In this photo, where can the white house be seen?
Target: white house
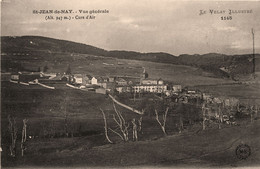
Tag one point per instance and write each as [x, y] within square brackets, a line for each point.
[15, 77]
[78, 78]
[150, 88]
[94, 81]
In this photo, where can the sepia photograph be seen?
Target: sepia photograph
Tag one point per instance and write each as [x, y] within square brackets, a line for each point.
[130, 84]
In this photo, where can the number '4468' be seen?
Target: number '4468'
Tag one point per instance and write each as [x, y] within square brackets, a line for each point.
[226, 17]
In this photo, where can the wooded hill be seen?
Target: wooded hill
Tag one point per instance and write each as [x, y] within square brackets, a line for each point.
[212, 62]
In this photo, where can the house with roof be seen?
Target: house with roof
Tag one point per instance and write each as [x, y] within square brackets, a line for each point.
[121, 82]
[151, 88]
[94, 81]
[149, 81]
[100, 80]
[176, 88]
[49, 75]
[15, 76]
[63, 78]
[78, 78]
[123, 89]
[207, 97]
[111, 79]
[87, 79]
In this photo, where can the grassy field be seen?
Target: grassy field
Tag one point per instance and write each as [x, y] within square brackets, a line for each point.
[50, 147]
[86, 144]
[210, 148]
[45, 110]
[246, 93]
[105, 66]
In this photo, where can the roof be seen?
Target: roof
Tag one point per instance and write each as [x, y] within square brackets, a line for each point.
[58, 77]
[149, 85]
[78, 75]
[100, 79]
[120, 80]
[152, 79]
[89, 77]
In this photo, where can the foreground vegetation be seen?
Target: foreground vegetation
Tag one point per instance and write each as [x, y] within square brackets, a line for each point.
[65, 128]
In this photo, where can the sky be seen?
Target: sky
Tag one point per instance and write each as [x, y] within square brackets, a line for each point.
[175, 27]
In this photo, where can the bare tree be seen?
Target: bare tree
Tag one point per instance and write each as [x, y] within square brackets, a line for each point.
[13, 132]
[253, 112]
[203, 108]
[140, 124]
[164, 117]
[135, 137]
[122, 124]
[24, 135]
[66, 124]
[105, 126]
[220, 116]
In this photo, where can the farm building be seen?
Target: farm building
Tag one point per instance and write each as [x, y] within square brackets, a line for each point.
[78, 78]
[107, 85]
[101, 80]
[15, 76]
[231, 102]
[121, 82]
[149, 81]
[111, 79]
[207, 97]
[50, 75]
[176, 88]
[123, 89]
[94, 81]
[87, 79]
[64, 78]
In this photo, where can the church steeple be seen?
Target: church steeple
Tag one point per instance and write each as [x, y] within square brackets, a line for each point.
[145, 74]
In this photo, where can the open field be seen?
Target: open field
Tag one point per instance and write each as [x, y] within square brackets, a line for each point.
[45, 110]
[246, 93]
[105, 66]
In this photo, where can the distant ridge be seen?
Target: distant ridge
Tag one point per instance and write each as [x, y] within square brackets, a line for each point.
[212, 62]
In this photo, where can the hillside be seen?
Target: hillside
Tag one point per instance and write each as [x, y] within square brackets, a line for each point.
[49, 147]
[15, 48]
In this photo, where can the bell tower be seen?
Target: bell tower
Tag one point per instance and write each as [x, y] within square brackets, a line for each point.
[144, 74]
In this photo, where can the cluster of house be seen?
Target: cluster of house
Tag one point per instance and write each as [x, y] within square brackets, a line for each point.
[103, 85]
[189, 93]
[124, 84]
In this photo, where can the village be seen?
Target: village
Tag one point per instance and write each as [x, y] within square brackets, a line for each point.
[218, 109]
